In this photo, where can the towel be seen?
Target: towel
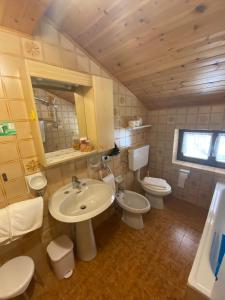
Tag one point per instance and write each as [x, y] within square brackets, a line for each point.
[155, 182]
[109, 179]
[4, 226]
[42, 129]
[25, 216]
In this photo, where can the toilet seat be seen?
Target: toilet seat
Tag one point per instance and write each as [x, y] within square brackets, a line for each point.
[156, 190]
[15, 276]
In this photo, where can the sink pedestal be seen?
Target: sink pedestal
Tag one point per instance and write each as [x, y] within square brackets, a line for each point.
[85, 240]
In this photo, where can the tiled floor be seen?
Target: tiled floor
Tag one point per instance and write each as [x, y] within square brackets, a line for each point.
[150, 264]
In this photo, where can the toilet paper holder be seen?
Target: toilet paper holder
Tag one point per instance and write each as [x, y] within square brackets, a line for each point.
[184, 171]
[182, 177]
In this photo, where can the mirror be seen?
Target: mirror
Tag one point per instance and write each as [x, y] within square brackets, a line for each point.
[57, 113]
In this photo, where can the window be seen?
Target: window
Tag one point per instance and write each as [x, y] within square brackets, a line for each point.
[206, 147]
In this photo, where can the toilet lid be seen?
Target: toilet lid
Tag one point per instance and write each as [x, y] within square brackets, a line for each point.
[15, 275]
[155, 183]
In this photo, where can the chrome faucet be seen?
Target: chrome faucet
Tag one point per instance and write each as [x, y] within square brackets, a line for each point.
[76, 183]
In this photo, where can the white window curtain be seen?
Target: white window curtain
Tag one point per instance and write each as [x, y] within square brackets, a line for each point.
[197, 145]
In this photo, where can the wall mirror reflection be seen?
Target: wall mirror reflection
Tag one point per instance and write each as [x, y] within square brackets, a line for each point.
[57, 113]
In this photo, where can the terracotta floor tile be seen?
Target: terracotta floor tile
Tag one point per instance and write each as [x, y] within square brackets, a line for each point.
[150, 264]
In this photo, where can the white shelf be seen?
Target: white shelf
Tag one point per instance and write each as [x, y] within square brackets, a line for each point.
[61, 156]
[139, 127]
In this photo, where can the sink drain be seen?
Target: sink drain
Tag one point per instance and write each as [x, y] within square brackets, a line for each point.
[83, 207]
[66, 192]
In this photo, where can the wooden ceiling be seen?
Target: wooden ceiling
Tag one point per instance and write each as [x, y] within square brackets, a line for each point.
[22, 15]
[168, 52]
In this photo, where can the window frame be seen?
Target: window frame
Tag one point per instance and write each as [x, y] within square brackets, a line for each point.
[211, 161]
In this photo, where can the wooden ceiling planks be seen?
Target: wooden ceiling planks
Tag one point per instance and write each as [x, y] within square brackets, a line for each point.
[22, 15]
[166, 52]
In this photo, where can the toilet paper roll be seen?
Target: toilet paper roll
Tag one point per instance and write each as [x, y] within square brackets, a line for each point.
[181, 179]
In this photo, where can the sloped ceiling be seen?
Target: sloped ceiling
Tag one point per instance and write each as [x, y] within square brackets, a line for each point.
[168, 52]
[22, 15]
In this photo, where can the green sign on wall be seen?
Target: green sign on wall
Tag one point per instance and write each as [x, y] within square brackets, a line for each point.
[7, 128]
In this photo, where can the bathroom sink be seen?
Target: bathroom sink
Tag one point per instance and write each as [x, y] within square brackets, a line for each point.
[79, 206]
[72, 205]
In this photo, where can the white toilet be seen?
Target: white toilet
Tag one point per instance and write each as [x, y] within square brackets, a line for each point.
[155, 188]
[15, 277]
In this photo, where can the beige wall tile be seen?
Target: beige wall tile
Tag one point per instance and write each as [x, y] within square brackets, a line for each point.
[94, 68]
[66, 43]
[218, 108]
[12, 170]
[48, 33]
[2, 198]
[204, 109]
[32, 49]
[27, 148]
[8, 152]
[192, 118]
[23, 130]
[217, 118]
[68, 170]
[15, 188]
[68, 59]
[83, 63]
[13, 88]
[31, 165]
[81, 168]
[54, 177]
[203, 119]
[2, 94]
[52, 55]
[9, 43]
[4, 115]
[6, 139]
[18, 110]
[10, 65]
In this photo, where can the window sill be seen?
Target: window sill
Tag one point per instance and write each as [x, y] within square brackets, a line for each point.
[198, 166]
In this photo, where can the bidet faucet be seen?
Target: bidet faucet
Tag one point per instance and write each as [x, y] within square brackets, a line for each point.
[76, 183]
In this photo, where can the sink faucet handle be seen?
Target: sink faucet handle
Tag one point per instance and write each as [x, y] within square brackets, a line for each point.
[75, 178]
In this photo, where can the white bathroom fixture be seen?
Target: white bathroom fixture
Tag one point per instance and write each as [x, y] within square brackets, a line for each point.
[37, 181]
[15, 277]
[133, 205]
[60, 252]
[79, 206]
[182, 177]
[155, 188]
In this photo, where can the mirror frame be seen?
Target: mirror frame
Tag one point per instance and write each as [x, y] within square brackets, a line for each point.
[38, 69]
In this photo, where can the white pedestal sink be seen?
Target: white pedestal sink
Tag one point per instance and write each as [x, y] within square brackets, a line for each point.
[80, 206]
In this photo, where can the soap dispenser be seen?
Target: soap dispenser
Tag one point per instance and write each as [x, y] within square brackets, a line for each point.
[37, 183]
